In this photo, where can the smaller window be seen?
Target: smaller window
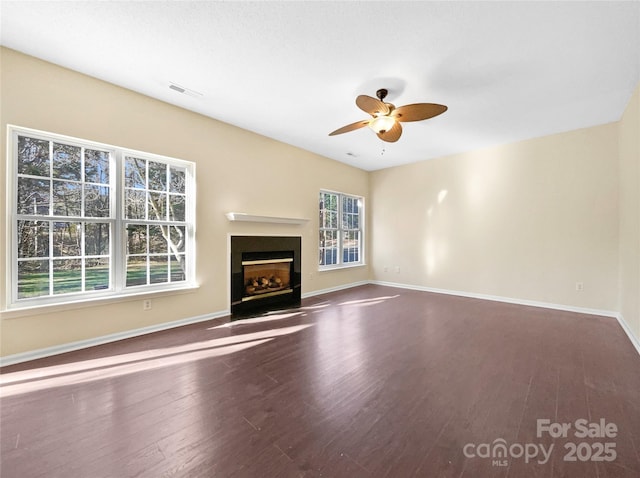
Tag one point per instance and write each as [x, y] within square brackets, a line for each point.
[341, 230]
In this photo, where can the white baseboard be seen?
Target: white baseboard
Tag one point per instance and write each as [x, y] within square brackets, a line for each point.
[105, 339]
[335, 289]
[496, 298]
[59, 349]
[634, 340]
[569, 308]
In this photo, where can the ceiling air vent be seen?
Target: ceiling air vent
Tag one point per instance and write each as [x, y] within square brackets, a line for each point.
[184, 91]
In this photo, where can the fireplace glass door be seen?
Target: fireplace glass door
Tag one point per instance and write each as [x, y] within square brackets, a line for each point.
[266, 278]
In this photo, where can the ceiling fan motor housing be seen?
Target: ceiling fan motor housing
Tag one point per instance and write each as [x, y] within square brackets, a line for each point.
[382, 94]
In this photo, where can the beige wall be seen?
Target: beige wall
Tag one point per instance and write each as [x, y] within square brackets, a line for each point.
[524, 221]
[236, 171]
[629, 145]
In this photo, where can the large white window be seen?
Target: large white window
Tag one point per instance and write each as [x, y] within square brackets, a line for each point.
[89, 220]
[341, 230]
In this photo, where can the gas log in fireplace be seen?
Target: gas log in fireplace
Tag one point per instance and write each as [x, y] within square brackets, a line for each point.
[265, 274]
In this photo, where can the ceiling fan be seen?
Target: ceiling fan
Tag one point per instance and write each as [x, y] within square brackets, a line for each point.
[386, 118]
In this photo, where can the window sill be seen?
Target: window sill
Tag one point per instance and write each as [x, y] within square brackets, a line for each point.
[340, 266]
[17, 312]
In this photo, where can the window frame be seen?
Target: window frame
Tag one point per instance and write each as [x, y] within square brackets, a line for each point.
[117, 220]
[341, 230]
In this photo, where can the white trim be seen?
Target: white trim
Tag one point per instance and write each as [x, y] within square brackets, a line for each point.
[496, 298]
[337, 267]
[634, 340]
[58, 349]
[546, 305]
[244, 217]
[105, 339]
[533, 303]
[335, 289]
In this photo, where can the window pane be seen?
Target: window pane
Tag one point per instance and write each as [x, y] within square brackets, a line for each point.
[136, 239]
[332, 219]
[33, 196]
[157, 239]
[176, 207]
[178, 268]
[177, 237]
[33, 156]
[33, 239]
[96, 166]
[328, 210]
[351, 247]
[136, 271]
[67, 237]
[350, 213]
[328, 219]
[67, 276]
[66, 162]
[66, 199]
[328, 201]
[96, 237]
[97, 274]
[33, 278]
[135, 204]
[157, 176]
[96, 201]
[158, 269]
[157, 206]
[177, 178]
[328, 247]
[135, 175]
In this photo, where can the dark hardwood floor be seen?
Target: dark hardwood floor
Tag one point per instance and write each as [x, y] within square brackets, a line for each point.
[368, 382]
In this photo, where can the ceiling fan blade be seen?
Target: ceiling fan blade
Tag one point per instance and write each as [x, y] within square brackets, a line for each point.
[418, 111]
[370, 105]
[350, 127]
[392, 135]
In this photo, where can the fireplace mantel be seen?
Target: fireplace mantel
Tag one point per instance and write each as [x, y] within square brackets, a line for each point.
[243, 217]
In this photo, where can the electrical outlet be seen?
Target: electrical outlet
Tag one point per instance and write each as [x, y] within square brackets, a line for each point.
[386, 269]
[579, 286]
[397, 269]
[146, 304]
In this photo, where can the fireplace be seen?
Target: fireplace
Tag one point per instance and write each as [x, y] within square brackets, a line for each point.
[265, 274]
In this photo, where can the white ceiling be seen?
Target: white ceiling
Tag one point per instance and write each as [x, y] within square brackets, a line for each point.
[291, 70]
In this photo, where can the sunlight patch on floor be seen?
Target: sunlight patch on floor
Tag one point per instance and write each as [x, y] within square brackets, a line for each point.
[371, 301]
[108, 367]
[258, 320]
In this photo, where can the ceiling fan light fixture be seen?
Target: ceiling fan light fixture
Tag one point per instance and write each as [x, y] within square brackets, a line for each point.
[386, 120]
[380, 124]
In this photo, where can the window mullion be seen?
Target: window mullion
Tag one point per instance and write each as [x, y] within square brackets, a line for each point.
[118, 237]
[83, 224]
[340, 225]
[50, 257]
